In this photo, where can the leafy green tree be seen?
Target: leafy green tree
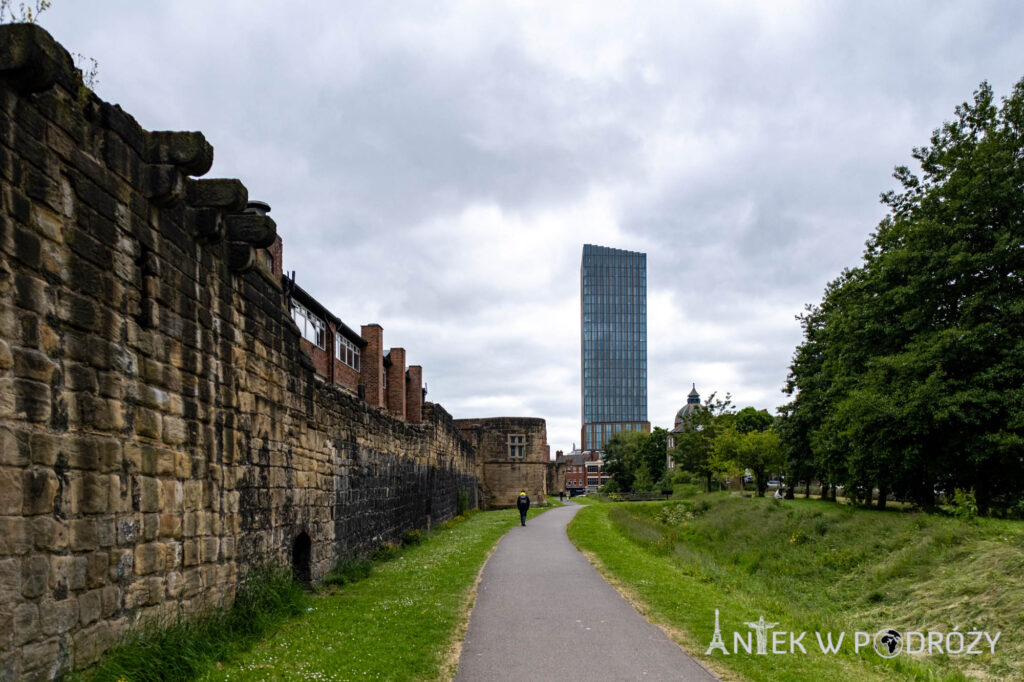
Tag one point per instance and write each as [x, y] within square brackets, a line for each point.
[911, 373]
[622, 457]
[752, 443]
[694, 449]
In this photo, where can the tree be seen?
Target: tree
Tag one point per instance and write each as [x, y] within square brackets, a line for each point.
[752, 443]
[622, 457]
[694, 450]
[911, 373]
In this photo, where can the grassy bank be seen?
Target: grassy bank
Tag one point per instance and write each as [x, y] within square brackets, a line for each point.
[813, 567]
[399, 616]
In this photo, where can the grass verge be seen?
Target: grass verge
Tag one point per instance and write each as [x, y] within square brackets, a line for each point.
[402, 622]
[815, 567]
[399, 615]
[183, 649]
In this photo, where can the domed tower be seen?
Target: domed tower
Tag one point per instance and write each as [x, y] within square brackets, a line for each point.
[682, 416]
[691, 406]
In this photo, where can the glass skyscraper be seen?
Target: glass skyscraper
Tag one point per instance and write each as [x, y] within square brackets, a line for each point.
[613, 302]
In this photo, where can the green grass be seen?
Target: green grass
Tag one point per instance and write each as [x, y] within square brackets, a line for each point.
[398, 615]
[183, 649]
[402, 622]
[816, 566]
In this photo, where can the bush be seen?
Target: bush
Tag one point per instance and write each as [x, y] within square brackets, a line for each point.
[965, 506]
[682, 476]
[462, 504]
[386, 551]
[412, 537]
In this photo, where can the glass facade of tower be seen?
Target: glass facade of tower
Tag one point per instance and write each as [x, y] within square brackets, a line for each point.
[613, 288]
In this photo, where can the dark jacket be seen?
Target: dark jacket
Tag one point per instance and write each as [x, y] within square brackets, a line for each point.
[523, 503]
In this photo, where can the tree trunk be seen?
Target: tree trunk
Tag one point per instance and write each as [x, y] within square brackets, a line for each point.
[882, 494]
[807, 490]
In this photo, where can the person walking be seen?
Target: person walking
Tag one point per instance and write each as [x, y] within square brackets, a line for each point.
[523, 504]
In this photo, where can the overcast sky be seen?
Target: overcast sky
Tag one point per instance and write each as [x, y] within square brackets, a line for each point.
[437, 167]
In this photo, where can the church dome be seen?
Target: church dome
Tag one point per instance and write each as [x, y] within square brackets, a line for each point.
[686, 411]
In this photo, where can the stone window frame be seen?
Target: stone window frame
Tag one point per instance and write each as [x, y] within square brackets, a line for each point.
[516, 445]
[346, 351]
[311, 327]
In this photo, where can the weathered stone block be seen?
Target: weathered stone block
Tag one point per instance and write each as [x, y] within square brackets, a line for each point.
[147, 422]
[170, 526]
[191, 555]
[93, 497]
[149, 499]
[84, 536]
[39, 657]
[10, 580]
[11, 499]
[49, 534]
[90, 643]
[150, 527]
[122, 564]
[210, 549]
[97, 564]
[90, 605]
[56, 617]
[12, 453]
[111, 597]
[175, 430]
[32, 399]
[31, 364]
[26, 623]
[45, 448]
[39, 487]
[67, 572]
[170, 495]
[149, 558]
[35, 575]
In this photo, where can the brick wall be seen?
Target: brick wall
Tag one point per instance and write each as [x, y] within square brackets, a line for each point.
[161, 430]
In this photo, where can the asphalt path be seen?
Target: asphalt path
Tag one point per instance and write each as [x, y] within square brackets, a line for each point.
[543, 612]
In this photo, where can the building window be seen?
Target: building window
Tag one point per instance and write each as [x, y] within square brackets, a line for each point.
[592, 481]
[591, 468]
[516, 444]
[346, 351]
[310, 326]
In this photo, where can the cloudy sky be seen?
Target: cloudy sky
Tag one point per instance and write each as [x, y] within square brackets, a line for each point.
[436, 167]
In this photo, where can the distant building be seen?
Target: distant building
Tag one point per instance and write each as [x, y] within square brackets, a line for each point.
[613, 302]
[584, 471]
[683, 416]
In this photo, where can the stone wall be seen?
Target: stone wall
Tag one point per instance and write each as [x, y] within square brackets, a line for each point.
[501, 475]
[161, 430]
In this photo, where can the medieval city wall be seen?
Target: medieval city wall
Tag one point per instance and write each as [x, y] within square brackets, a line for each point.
[161, 431]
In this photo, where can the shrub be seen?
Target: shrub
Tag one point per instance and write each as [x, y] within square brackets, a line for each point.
[412, 537]
[965, 506]
[462, 503]
[386, 551]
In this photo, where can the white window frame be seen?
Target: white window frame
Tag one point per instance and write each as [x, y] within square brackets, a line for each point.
[346, 351]
[312, 328]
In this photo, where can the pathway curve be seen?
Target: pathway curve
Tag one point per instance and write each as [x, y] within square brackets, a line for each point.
[544, 613]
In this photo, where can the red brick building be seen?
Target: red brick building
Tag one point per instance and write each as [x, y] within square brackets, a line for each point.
[354, 361]
[584, 471]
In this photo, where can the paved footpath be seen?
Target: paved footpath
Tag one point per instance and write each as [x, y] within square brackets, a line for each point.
[544, 613]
